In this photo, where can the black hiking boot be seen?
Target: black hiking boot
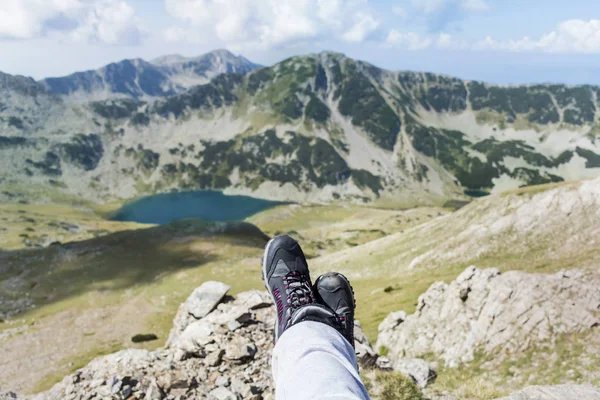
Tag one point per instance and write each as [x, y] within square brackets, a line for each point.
[334, 290]
[286, 276]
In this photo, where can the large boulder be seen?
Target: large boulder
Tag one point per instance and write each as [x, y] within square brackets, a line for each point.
[198, 305]
[493, 312]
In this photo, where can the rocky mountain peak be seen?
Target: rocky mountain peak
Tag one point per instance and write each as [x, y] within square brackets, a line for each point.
[139, 79]
[21, 84]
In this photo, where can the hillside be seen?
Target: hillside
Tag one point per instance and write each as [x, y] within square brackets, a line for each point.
[314, 128]
[391, 256]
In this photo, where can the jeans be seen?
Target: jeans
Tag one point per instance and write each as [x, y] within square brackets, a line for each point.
[312, 360]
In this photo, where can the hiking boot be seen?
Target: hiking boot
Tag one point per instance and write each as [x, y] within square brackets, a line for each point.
[334, 290]
[286, 276]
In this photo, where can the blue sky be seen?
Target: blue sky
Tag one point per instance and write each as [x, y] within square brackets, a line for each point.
[507, 41]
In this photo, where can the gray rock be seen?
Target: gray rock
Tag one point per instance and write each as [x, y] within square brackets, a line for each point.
[154, 392]
[255, 299]
[383, 363]
[418, 370]
[195, 337]
[499, 313]
[241, 388]
[392, 321]
[222, 393]
[365, 354]
[240, 349]
[205, 298]
[558, 392]
[214, 358]
[222, 381]
[198, 305]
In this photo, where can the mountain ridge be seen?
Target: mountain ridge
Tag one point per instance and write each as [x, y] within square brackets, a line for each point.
[140, 79]
[321, 127]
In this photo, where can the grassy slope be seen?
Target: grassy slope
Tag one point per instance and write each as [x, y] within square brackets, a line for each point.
[538, 229]
[137, 278]
[47, 223]
[150, 270]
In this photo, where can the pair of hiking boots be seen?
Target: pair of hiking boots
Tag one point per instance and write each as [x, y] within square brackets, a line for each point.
[287, 278]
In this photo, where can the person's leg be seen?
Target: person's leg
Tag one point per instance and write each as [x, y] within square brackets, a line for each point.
[313, 361]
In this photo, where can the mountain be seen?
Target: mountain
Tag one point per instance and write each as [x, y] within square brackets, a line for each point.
[139, 79]
[316, 128]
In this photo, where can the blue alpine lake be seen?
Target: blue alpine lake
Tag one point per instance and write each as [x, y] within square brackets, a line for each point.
[206, 205]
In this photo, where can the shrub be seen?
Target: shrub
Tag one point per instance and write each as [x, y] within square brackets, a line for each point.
[395, 386]
[144, 337]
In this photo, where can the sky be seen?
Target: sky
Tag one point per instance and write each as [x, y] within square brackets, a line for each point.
[499, 41]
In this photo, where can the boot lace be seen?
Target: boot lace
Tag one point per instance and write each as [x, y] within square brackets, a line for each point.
[298, 291]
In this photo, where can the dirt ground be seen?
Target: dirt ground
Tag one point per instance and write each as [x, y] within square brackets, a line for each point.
[44, 347]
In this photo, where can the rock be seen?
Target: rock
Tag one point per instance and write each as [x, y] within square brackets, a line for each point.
[205, 298]
[240, 349]
[237, 313]
[198, 305]
[154, 392]
[195, 337]
[214, 358]
[558, 392]
[392, 321]
[255, 299]
[233, 325]
[241, 388]
[222, 381]
[222, 393]
[383, 363]
[493, 312]
[418, 370]
[126, 391]
[464, 293]
[365, 354]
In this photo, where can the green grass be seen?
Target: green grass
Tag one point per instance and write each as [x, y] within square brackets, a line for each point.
[567, 359]
[384, 385]
[47, 220]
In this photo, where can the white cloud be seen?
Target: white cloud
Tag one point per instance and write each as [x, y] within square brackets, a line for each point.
[572, 36]
[25, 19]
[364, 26]
[111, 22]
[105, 21]
[409, 40]
[271, 23]
[434, 6]
[190, 10]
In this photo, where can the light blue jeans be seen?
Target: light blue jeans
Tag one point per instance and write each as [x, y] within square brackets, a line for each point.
[313, 361]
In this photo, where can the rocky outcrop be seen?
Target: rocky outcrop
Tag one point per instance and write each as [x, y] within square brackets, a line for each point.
[220, 348]
[558, 392]
[198, 305]
[484, 310]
